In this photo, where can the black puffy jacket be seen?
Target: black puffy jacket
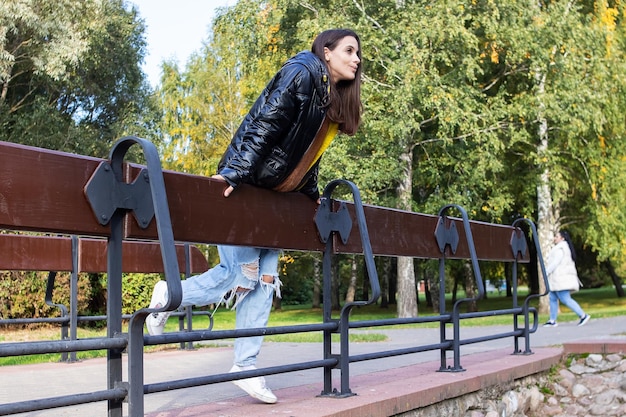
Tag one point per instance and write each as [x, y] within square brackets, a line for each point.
[280, 126]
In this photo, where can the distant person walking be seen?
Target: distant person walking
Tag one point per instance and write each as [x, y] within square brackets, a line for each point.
[563, 279]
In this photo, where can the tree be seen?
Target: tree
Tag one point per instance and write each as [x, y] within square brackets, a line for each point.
[76, 66]
[204, 104]
[424, 114]
[510, 109]
[70, 80]
[501, 107]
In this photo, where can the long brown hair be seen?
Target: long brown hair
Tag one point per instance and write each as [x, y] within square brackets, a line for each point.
[345, 96]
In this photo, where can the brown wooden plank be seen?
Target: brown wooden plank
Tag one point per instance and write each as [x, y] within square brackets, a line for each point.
[250, 216]
[54, 253]
[257, 217]
[139, 257]
[42, 190]
[35, 253]
[400, 233]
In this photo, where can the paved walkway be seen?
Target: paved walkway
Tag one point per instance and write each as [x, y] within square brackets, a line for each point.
[20, 383]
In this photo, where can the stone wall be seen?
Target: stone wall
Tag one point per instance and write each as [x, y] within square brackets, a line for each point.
[582, 386]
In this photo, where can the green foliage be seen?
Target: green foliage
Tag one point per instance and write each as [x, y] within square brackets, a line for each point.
[462, 90]
[23, 294]
[456, 85]
[70, 75]
[137, 291]
[204, 103]
[295, 272]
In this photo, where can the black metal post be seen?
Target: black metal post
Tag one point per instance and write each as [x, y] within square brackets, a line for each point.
[74, 296]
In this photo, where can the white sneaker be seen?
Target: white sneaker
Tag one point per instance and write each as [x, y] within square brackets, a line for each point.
[155, 322]
[255, 387]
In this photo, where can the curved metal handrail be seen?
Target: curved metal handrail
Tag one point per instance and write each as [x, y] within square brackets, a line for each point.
[344, 231]
[526, 306]
[134, 197]
[479, 283]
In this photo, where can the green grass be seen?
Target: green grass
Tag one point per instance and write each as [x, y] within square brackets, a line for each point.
[600, 303]
[45, 333]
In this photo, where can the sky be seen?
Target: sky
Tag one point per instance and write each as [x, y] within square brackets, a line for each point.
[174, 30]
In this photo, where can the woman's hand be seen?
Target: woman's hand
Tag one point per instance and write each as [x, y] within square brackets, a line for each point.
[228, 189]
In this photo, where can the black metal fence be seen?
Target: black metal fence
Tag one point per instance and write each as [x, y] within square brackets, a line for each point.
[69, 317]
[329, 224]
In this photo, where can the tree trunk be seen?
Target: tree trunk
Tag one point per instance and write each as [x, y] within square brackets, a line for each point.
[365, 284]
[470, 286]
[277, 304]
[455, 289]
[547, 215]
[336, 279]
[508, 272]
[407, 295]
[98, 300]
[352, 283]
[393, 280]
[317, 281]
[384, 282]
[617, 280]
[532, 267]
[431, 281]
[427, 295]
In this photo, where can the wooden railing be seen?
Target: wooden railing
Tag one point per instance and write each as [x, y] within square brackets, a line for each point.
[54, 192]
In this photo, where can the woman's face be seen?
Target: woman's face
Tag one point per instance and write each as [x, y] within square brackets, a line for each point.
[343, 61]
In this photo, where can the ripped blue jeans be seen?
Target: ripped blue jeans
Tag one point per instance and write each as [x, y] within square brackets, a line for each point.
[238, 279]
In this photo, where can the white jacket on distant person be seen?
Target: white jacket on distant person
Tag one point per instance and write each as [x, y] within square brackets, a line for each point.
[561, 269]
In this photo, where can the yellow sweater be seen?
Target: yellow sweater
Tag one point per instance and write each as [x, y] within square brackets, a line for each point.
[322, 141]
